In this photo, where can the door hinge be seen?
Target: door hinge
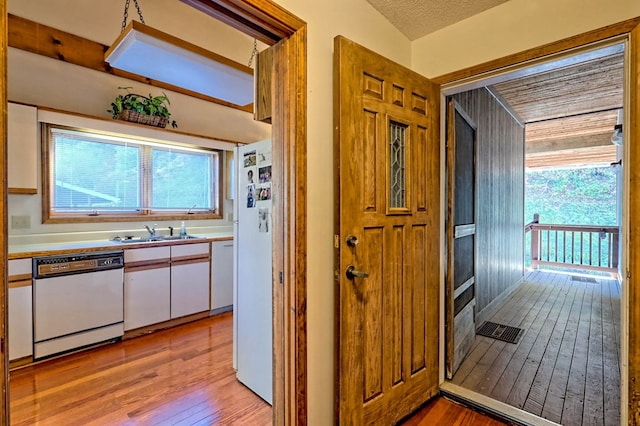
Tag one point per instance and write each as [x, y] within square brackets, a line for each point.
[336, 241]
[281, 277]
[1, 344]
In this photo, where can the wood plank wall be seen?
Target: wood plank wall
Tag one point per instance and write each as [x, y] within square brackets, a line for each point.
[500, 196]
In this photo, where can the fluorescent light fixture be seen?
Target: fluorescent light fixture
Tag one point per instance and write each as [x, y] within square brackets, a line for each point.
[148, 52]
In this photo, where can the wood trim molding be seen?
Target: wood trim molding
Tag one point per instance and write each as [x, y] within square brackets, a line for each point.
[186, 260]
[21, 280]
[270, 23]
[20, 362]
[57, 116]
[633, 264]
[579, 40]
[43, 40]
[4, 357]
[261, 19]
[290, 241]
[18, 284]
[23, 191]
[145, 265]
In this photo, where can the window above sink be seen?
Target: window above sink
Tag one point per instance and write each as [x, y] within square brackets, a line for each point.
[100, 177]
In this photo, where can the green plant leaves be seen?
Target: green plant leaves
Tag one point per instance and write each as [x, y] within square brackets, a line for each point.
[155, 106]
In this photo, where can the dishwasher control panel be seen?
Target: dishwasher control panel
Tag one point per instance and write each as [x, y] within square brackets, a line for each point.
[49, 266]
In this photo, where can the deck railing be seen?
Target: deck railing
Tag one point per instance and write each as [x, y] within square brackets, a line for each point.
[594, 248]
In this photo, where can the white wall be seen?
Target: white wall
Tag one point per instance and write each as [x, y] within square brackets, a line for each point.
[358, 21]
[513, 27]
[42, 81]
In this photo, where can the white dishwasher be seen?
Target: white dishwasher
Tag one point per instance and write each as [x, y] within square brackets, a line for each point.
[78, 301]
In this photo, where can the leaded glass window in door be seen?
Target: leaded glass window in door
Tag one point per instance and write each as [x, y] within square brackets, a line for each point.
[397, 165]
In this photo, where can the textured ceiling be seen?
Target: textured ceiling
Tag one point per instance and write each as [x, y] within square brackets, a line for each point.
[416, 18]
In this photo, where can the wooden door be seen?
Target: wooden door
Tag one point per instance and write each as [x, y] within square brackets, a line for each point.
[461, 230]
[387, 236]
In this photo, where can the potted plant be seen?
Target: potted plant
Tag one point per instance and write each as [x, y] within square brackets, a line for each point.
[150, 110]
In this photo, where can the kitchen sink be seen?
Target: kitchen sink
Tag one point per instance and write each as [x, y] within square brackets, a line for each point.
[154, 239]
[178, 237]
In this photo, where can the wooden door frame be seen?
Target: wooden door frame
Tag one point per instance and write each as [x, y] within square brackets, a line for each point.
[270, 23]
[4, 348]
[627, 31]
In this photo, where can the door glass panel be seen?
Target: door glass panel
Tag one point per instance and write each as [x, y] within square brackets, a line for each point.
[397, 164]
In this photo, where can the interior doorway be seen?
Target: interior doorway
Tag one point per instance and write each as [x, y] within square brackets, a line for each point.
[269, 23]
[562, 138]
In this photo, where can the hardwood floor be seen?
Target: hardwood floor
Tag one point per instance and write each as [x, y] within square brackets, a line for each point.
[441, 411]
[180, 376]
[566, 366]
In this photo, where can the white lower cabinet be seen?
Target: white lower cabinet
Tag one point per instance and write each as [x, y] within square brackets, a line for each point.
[146, 295]
[189, 279]
[20, 305]
[221, 275]
[189, 289]
[163, 283]
[147, 286]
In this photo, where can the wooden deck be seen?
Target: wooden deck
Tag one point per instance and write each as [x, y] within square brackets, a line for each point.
[566, 366]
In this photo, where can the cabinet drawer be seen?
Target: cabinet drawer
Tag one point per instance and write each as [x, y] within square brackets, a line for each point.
[183, 250]
[150, 253]
[20, 267]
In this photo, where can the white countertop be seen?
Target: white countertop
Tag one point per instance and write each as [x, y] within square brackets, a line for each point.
[28, 250]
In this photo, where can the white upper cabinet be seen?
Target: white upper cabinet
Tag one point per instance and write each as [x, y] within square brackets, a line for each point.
[22, 149]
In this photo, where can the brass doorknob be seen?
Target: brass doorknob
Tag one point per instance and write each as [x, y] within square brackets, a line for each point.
[353, 273]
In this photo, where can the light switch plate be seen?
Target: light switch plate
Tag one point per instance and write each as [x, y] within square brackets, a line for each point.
[21, 222]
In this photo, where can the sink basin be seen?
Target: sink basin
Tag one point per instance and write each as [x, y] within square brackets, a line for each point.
[178, 237]
[155, 239]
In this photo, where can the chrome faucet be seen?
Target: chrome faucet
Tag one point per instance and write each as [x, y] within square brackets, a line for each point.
[152, 231]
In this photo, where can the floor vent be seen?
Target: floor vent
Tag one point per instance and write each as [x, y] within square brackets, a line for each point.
[583, 279]
[502, 332]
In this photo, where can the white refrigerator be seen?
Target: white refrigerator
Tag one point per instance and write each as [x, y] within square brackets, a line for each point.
[253, 269]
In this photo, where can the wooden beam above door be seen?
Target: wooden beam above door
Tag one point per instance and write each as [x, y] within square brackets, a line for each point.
[251, 18]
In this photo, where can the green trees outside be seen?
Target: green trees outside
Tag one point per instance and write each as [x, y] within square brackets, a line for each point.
[181, 180]
[571, 196]
[91, 173]
[584, 196]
